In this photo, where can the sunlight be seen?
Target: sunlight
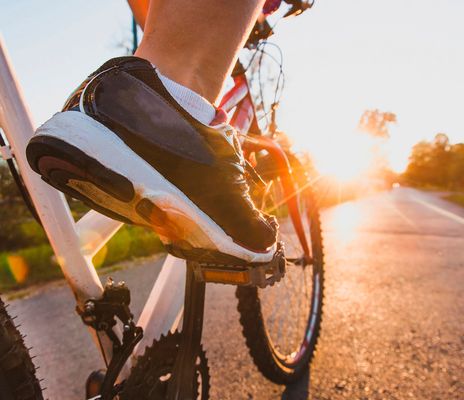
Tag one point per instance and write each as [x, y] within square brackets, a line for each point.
[347, 159]
[398, 152]
[345, 221]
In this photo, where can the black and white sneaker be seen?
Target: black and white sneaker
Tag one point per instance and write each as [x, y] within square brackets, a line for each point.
[126, 148]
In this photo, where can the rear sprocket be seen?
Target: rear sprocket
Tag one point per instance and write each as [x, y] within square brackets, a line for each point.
[150, 377]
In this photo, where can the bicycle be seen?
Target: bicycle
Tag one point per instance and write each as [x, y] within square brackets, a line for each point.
[153, 358]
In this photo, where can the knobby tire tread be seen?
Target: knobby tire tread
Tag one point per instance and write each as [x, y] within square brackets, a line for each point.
[18, 380]
[253, 325]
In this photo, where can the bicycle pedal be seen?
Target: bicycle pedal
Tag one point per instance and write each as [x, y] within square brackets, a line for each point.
[260, 275]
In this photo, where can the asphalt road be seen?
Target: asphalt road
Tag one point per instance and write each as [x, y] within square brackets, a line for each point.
[393, 323]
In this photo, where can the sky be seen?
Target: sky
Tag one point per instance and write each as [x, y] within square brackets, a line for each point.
[340, 59]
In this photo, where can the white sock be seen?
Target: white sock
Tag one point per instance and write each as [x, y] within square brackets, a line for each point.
[197, 106]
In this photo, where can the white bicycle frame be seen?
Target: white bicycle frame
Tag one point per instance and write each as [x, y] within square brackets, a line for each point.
[75, 243]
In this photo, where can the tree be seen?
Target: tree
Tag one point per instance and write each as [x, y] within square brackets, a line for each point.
[375, 123]
[456, 169]
[418, 170]
[12, 210]
[437, 163]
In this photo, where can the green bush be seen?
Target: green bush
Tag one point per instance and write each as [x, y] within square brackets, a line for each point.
[457, 198]
[35, 264]
[32, 233]
[27, 266]
[146, 242]
[6, 277]
[129, 242]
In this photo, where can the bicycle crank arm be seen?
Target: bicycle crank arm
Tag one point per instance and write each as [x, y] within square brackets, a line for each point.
[182, 385]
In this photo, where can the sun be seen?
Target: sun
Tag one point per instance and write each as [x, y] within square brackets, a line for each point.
[343, 169]
[347, 159]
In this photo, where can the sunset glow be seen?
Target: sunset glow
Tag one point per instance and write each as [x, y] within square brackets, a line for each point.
[347, 159]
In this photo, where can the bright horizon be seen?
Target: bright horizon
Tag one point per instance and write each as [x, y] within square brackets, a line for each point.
[403, 57]
[340, 59]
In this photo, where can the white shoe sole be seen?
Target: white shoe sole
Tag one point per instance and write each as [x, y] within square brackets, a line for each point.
[155, 201]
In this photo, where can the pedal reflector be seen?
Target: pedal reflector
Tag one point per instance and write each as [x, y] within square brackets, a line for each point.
[261, 275]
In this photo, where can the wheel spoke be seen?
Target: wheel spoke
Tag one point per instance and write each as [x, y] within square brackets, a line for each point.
[286, 306]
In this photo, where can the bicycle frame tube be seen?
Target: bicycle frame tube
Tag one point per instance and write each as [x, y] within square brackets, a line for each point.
[239, 97]
[244, 121]
[51, 205]
[75, 244]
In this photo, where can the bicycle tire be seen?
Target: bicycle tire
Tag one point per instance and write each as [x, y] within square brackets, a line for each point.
[267, 358]
[18, 380]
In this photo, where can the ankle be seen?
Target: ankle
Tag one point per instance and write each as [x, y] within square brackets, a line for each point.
[187, 70]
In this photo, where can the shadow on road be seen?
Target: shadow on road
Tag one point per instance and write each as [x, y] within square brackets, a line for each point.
[298, 390]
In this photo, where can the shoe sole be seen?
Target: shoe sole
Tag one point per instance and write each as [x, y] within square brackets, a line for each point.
[84, 159]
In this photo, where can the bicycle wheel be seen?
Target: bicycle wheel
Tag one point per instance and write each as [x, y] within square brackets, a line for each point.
[17, 372]
[281, 323]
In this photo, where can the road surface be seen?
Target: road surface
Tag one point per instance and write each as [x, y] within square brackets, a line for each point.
[393, 321]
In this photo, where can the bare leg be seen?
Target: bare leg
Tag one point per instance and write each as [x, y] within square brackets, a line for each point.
[196, 42]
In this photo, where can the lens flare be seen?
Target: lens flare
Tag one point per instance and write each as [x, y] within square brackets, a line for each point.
[18, 267]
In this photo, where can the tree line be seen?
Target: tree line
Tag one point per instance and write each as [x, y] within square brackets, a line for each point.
[436, 163]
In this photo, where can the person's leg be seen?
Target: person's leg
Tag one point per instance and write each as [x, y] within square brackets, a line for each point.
[196, 42]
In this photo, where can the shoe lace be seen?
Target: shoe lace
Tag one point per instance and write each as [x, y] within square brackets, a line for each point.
[246, 171]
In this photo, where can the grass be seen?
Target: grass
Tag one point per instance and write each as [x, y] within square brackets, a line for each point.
[17, 294]
[26, 266]
[35, 264]
[456, 198]
[430, 188]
